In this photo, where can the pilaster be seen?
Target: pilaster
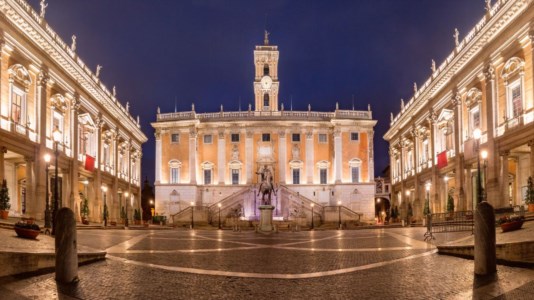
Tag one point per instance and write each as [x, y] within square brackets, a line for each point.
[221, 156]
[157, 136]
[192, 156]
[337, 156]
[249, 151]
[309, 157]
[282, 158]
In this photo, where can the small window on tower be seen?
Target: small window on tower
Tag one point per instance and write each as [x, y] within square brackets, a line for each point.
[266, 100]
[266, 137]
[266, 70]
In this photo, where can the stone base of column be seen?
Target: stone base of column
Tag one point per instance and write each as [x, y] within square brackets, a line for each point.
[266, 219]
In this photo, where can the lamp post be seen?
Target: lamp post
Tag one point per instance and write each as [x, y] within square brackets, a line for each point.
[56, 136]
[105, 190]
[427, 188]
[339, 214]
[219, 205]
[484, 155]
[192, 213]
[477, 134]
[312, 205]
[126, 194]
[47, 206]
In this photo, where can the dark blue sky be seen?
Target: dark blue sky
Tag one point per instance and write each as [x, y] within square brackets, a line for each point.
[201, 51]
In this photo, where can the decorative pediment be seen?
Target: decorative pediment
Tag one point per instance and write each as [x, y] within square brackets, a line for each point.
[445, 115]
[58, 102]
[174, 163]
[355, 162]
[235, 164]
[20, 73]
[296, 164]
[473, 97]
[512, 67]
[85, 119]
[323, 164]
[207, 165]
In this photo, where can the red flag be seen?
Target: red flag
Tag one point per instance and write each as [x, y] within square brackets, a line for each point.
[89, 163]
[442, 159]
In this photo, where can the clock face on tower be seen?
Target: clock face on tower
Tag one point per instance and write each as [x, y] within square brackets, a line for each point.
[266, 82]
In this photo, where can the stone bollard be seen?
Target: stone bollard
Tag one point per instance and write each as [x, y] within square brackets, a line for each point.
[66, 247]
[485, 252]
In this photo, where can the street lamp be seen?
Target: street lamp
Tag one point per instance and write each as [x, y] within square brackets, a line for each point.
[47, 207]
[484, 155]
[219, 205]
[312, 205]
[192, 213]
[126, 194]
[427, 188]
[339, 214]
[477, 134]
[104, 190]
[56, 136]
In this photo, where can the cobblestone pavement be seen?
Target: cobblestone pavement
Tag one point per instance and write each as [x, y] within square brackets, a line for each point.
[359, 264]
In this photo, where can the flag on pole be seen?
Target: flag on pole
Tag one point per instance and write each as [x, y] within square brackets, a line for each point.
[442, 159]
[89, 163]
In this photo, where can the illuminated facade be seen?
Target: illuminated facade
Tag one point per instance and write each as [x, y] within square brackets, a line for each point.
[486, 83]
[316, 157]
[45, 86]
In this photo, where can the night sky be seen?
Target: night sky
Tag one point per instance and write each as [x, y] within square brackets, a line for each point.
[162, 52]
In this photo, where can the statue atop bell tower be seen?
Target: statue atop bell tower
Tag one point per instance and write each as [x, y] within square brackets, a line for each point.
[266, 84]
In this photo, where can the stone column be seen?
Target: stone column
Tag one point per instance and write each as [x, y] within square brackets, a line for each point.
[371, 156]
[192, 156]
[115, 189]
[282, 156]
[97, 184]
[31, 207]
[531, 145]
[337, 156]
[309, 157]
[75, 106]
[221, 156]
[249, 151]
[505, 197]
[157, 135]
[492, 176]
[3, 150]
[434, 207]
[459, 155]
[41, 123]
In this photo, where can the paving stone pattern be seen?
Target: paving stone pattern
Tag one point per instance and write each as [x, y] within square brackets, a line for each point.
[357, 269]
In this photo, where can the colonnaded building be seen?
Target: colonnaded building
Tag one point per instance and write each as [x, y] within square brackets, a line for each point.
[207, 159]
[45, 87]
[485, 85]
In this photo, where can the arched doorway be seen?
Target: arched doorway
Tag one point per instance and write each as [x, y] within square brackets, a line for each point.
[382, 210]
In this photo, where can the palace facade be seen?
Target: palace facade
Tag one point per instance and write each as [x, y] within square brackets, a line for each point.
[319, 158]
[46, 88]
[485, 85]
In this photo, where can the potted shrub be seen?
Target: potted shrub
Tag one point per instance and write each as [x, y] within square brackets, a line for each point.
[410, 213]
[84, 210]
[510, 223]
[105, 213]
[137, 217]
[450, 206]
[123, 215]
[27, 230]
[4, 200]
[529, 197]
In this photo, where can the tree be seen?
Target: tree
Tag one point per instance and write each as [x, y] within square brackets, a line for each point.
[450, 203]
[84, 207]
[426, 209]
[4, 197]
[529, 196]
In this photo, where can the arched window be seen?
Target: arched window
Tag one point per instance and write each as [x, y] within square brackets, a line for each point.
[266, 69]
[513, 73]
[266, 99]
[19, 83]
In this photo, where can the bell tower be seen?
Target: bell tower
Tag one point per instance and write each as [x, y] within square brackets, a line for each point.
[266, 84]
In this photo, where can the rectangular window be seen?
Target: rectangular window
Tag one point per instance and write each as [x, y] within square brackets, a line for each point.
[174, 175]
[235, 137]
[354, 136]
[474, 119]
[235, 176]
[322, 175]
[296, 176]
[295, 137]
[323, 138]
[517, 105]
[208, 138]
[175, 138]
[266, 137]
[355, 172]
[16, 108]
[106, 155]
[207, 176]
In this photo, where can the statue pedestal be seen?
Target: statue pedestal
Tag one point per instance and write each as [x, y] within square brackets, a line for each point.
[266, 218]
